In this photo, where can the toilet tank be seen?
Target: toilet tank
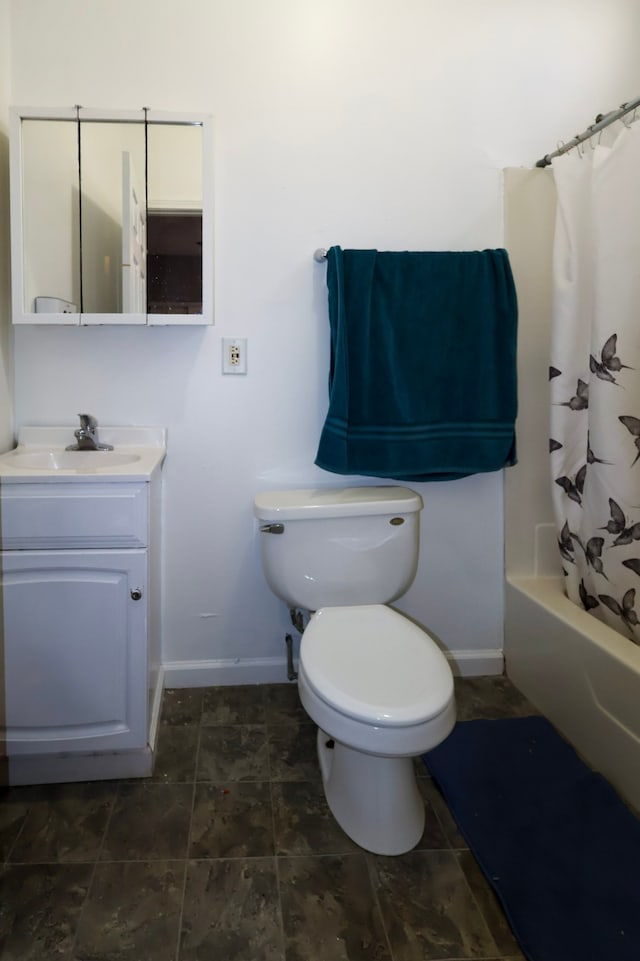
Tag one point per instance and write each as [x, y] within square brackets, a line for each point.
[332, 547]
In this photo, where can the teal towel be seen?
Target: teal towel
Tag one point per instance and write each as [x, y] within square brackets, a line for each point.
[422, 384]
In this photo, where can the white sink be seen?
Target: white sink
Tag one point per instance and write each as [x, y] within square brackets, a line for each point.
[41, 456]
[70, 459]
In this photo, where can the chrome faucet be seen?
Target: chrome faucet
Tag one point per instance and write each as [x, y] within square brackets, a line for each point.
[87, 435]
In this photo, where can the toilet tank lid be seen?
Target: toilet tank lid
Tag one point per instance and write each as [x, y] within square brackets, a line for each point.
[335, 502]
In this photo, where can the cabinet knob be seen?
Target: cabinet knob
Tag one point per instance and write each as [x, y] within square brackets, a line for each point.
[136, 594]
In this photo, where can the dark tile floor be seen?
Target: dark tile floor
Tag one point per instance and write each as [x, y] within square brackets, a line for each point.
[229, 853]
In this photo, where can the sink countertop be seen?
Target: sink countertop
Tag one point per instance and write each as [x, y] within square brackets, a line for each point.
[146, 444]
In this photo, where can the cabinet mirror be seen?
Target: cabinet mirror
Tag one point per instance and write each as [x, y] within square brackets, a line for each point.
[111, 218]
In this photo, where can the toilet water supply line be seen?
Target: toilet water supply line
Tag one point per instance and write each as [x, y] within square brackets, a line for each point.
[291, 674]
[298, 621]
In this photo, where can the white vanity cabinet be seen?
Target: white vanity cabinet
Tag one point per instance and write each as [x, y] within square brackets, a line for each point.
[80, 594]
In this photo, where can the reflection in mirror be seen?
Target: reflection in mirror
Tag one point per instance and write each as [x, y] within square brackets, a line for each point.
[99, 238]
[175, 199]
[50, 212]
[174, 262]
[112, 158]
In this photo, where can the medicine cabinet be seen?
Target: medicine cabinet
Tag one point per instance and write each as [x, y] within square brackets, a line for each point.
[111, 217]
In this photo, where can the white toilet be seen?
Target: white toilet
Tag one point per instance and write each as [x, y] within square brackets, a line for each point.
[377, 686]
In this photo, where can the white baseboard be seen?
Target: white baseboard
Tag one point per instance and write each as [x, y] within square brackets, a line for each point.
[476, 663]
[273, 670]
[254, 670]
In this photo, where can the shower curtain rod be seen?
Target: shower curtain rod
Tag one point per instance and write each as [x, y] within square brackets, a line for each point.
[601, 121]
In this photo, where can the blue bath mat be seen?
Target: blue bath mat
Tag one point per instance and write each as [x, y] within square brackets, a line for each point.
[559, 847]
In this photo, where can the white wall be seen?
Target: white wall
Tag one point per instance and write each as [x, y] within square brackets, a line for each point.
[353, 122]
[6, 417]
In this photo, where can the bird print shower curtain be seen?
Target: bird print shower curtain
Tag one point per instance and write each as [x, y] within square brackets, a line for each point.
[595, 378]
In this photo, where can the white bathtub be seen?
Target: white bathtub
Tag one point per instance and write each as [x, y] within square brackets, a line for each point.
[580, 674]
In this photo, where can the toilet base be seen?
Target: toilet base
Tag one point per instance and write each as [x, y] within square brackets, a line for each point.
[375, 800]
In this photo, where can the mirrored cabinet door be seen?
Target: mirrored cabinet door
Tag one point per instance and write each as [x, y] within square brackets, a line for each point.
[111, 218]
[174, 219]
[50, 219]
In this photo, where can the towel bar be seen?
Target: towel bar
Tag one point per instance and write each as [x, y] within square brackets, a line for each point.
[320, 255]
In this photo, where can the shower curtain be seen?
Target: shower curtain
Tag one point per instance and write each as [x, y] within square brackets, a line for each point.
[595, 378]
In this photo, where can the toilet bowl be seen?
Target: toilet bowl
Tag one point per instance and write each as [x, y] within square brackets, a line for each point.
[381, 692]
[376, 684]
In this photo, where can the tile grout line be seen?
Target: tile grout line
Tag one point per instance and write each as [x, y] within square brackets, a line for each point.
[454, 852]
[475, 711]
[7, 860]
[442, 825]
[184, 878]
[474, 900]
[276, 862]
[373, 879]
[188, 847]
[478, 904]
[276, 857]
[96, 862]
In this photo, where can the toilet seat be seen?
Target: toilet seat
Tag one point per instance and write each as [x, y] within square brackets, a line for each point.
[406, 679]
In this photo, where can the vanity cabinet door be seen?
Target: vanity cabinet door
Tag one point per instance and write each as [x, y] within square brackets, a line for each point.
[75, 650]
